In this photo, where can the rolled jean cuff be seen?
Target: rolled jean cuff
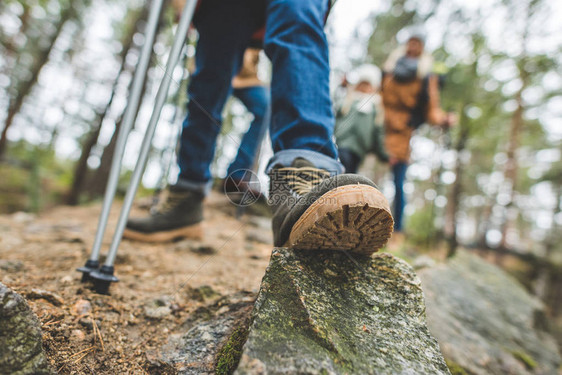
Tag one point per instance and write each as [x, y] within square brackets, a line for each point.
[196, 186]
[286, 157]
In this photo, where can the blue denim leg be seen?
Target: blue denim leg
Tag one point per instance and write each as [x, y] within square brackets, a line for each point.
[256, 100]
[295, 42]
[225, 28]
[399, 172]
[349, 160]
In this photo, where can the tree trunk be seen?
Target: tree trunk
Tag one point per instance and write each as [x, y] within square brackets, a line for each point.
[511, 166]
[485, 220]
[99, 180]
[542, 283]
[25, 87]
[81, 168]
[96, 187]
[456, 190]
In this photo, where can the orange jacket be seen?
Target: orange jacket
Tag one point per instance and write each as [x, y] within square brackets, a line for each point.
[399, 101]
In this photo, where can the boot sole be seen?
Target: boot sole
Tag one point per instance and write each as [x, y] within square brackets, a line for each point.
[353, 217]
[193, 232]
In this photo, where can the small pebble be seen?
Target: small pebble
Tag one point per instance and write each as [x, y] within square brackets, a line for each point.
[22, 217]
[158, 308]
[77, 335]
[11, 265]
[223, 310]
[86, 323]
[82, 307]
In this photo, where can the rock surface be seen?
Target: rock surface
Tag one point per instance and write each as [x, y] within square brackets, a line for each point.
[21, 350]
[208, 331]
[337, 313]
[484, 320]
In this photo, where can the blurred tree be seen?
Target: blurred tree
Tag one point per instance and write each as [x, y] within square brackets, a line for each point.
[37, 48]
[129, 29]
[498, 91]
[400, 15]
[553, 242]
[531, 67]
[98, 179]
[462, 91]
[39, 59]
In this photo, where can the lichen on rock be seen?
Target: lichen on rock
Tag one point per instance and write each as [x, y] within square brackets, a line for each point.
[21, 350]
[335, 313]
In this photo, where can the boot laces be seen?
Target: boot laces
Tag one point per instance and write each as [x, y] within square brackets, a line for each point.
[168, 201]
[302, 180]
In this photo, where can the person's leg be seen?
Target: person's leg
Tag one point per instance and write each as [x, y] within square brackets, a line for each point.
[399, 173]
[349, 160]
[312, 208]
[256, 100]
[225, 28]
[302, 121]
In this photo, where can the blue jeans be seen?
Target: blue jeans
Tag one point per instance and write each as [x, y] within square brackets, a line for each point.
[256, 100]
[349, 160]
[399, 172]
[302, 120]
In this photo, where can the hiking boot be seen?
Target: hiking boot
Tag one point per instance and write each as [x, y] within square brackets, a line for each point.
[313, 211]
[178, 216]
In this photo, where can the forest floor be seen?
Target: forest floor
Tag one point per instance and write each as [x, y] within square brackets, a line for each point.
[160, 285]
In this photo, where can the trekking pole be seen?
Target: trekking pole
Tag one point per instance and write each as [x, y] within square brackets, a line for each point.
[103, 277]
[93, 264]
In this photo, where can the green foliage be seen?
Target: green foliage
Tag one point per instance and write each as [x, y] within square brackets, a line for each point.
[421, 228]
[484, 85]
[387, 25]
[34, 180]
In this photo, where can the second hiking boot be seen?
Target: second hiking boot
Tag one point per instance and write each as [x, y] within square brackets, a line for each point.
[178, 216]
[313, 211]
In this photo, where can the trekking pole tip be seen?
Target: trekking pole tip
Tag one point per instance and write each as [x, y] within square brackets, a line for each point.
[89, 267]
[103, 278]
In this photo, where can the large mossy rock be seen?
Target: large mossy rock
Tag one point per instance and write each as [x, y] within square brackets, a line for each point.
[485, 321]
[21, 350]
[338, 313]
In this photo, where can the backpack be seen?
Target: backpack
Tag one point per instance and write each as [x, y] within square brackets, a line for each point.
[417, 117]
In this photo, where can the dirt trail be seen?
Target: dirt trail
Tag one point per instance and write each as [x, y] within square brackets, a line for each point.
[161, 285]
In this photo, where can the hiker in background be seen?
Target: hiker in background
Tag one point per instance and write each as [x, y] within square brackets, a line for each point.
[410, 95]
[253, 93]
[359, 120]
